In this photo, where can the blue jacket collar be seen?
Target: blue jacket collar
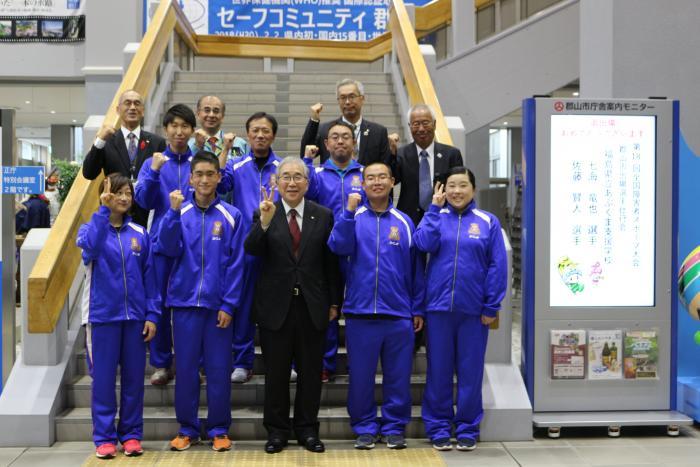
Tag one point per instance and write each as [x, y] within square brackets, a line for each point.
[354, 165]
[471, 206]
[180, 158]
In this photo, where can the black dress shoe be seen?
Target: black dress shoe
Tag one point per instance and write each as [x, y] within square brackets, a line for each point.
[275, 445]
[313, 444]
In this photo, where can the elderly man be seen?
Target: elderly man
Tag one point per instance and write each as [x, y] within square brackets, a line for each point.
[211, 111]
[295, 298]
[418, 165]
[124, 151]
[371, 140]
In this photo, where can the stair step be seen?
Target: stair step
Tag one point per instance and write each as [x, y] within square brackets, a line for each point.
[371, 89]
[160, 424]
[236, 118]
[419, 362]
[252, 393]
[286, 108]
[304, 77]
[231, 98]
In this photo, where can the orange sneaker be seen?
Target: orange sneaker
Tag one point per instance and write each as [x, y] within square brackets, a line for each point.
[181, 443]
[221, 443]
[132, 447]
[106, 451]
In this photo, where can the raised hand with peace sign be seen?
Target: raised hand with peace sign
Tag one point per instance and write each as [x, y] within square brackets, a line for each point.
[267, 207]
[439, 195]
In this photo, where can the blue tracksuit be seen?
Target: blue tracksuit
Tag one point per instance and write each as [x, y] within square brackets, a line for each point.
[242, 178]
[119, 295]
[470, 246]
[385, 290]
[207, 248]
[330, 186]
[152, 191]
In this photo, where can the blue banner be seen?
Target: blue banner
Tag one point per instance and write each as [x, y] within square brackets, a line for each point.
[344, 20]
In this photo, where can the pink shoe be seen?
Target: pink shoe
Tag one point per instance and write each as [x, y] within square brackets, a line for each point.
[132, 447]
[106, 451]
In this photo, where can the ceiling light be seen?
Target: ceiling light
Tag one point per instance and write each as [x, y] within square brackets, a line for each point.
[53, 111]
[505, 123]
[575, 93]
[27, 102]
[74, 120]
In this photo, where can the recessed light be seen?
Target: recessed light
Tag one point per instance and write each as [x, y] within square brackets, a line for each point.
[505, 123]
[53, 111]
[575, 93]
[74, 120]
[27, 102]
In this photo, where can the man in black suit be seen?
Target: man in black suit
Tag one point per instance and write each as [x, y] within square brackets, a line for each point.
[371, 139]
[124, 151]
[418, 165]
[296, 296]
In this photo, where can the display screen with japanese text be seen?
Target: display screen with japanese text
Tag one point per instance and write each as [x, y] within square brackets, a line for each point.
[602, 212]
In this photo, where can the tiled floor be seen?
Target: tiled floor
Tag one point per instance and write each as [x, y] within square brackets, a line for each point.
[581, 447]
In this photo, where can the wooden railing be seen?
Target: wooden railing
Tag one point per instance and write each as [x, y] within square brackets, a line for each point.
[419, 86]
[55, 268]
[57, 264]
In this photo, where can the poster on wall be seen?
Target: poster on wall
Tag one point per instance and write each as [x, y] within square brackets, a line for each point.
[42, 20]
[342, 20]
[602, 211]
[568, 354]
[605, 354]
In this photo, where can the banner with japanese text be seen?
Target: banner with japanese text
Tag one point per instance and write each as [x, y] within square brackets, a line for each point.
[42, 20]
[343, 20]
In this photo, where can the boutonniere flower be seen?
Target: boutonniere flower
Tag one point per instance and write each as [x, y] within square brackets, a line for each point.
[142, 146]
[366, 133]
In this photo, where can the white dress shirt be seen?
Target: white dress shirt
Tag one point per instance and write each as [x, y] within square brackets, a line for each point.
[100, 143]
[431, 158]
[299, 209]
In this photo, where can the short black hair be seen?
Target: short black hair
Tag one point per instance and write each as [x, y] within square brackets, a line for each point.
[204, 156]
[339, 122]
[391, 174]
[182, 111]
[223, 104]
[460, 170]
[266, 116]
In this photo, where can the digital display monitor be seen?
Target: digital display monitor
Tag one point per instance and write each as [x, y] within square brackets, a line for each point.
[602, 212]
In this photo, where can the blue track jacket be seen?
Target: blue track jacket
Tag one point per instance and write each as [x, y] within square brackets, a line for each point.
[243, 177]
[467, 271]
[330, 187]
[386, 273]
[152, 190]
[208, 249]
[120, 282]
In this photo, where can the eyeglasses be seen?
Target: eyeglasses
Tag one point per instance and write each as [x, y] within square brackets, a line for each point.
[422, 123]
[298, 178]
[380, 177]
[336, 137]
[349, 97]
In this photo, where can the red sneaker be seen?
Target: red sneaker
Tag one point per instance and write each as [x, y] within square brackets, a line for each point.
[132, 447]
[327, 376]
[106, 451]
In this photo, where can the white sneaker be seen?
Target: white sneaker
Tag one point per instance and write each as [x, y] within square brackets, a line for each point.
[241, 375]
[293, 376]
[161, 376]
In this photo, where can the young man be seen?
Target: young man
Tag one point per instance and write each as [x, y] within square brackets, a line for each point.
[159, 176]
[204, 237]
[244, 178]
[210, 137]
[383, 307]
[330, 184]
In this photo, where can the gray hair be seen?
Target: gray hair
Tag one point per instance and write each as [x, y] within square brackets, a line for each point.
[420, 107]
[345, 82]
[293, 160]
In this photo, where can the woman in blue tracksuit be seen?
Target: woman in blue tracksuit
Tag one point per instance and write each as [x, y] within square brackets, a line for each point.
[120, 308]
[466, 282]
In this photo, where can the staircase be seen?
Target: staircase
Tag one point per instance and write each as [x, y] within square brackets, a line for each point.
[75, 423]
[288, 97]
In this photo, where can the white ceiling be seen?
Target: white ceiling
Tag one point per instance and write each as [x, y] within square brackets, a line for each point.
[67, 100]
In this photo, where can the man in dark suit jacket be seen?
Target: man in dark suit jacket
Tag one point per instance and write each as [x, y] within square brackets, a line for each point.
[372, 143]
[437, 159]
[296, 296]
[124, 151]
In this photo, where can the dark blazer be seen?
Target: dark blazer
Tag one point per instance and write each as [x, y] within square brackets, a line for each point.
[114, 158]
[406, 166]
[374, 141]
[316, 270]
